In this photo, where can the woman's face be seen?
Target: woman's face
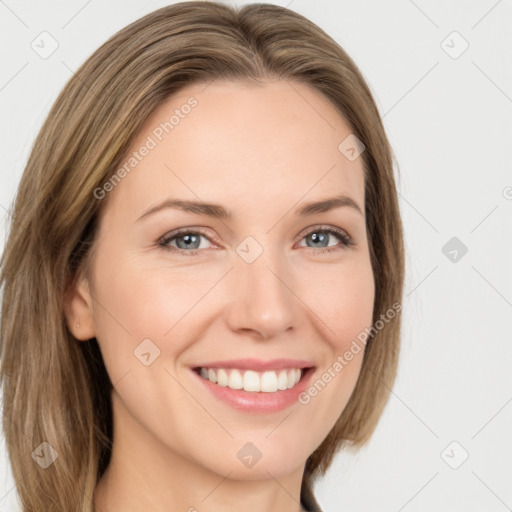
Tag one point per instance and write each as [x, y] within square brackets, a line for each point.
[251, 285]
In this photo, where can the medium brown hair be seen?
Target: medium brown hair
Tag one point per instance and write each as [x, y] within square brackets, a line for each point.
[55, 389]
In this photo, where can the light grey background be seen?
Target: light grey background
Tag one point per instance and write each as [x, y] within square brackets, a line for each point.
[449, 120]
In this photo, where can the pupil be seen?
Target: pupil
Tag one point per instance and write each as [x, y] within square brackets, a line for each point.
[188, 239]
[191, 239]
[318, 238]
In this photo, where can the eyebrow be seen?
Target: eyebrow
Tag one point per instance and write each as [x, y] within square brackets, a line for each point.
[219, 212]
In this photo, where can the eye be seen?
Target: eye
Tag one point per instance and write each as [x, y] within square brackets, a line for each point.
[186, 241]
[320, 237]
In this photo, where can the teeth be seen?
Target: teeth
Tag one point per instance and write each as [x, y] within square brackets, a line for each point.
[269, 382]
[235, 380]
[249, 380]
[252, 381]
[222, 378]
[282, 380]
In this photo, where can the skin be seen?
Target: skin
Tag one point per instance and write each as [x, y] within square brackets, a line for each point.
[261, 151]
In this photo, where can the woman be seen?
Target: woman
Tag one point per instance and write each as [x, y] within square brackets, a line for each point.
[202, 282]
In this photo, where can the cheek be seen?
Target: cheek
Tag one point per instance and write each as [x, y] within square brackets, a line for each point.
[174, 307]
[342, 299]
[137, 301]
[169, 304]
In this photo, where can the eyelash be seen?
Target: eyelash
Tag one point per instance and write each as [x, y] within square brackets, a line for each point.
[346, 240]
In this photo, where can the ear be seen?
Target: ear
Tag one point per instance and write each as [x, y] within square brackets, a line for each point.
[78, 310]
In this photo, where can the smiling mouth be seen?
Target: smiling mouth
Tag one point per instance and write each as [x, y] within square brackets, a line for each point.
[253, 381]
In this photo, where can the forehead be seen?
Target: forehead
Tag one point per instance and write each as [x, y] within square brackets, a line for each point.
[234, 142]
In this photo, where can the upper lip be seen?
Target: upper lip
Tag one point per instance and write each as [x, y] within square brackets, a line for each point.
[257, 364]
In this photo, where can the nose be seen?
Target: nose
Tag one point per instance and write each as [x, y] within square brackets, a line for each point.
[262, 297]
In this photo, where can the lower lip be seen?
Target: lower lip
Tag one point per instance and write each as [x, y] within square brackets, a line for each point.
[259, 402]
